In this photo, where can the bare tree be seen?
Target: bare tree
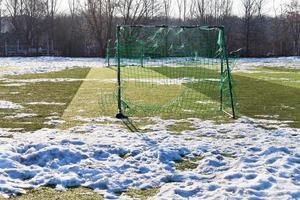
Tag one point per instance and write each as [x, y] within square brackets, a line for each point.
[73, 9]
[226, 8]
[198, 10]
[293, 21]
[15, 9]
[182, 9]
[259, 26]
[100, 15]
[25, 16]
[134, 11]
[277, 39]
[249, 9]
[51, 7]
[166, 11]
[1, 16]
[210, 11]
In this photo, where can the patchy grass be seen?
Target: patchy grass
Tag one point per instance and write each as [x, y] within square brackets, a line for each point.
[282, 76]
[67, 73]
[179, 127]
[273, 97]
[6, 136]
[52, 194]
[94, 98]
[141, 194]
[192, 99]
[188, 163]
[59, 92]
[228, 155]
[267, 92]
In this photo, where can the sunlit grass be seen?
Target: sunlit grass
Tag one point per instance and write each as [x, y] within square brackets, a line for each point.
[179, 127]
[57, 92]
[94, 95]
[94, 98]
[142, 194]
[188, 163]
[46, 193]
[260, 94]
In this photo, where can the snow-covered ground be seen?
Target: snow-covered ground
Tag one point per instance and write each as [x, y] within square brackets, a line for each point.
[239, 161]
[9, 105]
[20, 65]
[285, 62]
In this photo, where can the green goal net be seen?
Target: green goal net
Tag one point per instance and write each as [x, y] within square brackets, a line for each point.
[172, 71]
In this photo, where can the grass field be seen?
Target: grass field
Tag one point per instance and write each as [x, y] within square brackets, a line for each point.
[67, 97]
[270, 93]
[86, 93]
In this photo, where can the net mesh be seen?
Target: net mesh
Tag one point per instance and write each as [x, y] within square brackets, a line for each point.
[172, 71]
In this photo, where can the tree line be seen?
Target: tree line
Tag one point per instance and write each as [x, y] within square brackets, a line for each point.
[87, 26]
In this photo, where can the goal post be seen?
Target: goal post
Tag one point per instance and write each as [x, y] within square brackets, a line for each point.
[173, 71]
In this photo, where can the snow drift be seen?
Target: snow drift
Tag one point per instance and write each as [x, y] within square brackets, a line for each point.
[240, 160]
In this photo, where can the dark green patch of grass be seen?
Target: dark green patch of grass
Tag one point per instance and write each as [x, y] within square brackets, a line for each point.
[68, 73]
[239, 136]
[188, 163]
[179, 127]
[142, 194]
[228, 155]
[254, 96]
[258, 97]
[59, 92]
[171, 100]
[125, 156]
[52, 194]
[7, 136]
[282, 76]
[279, 69]
[205, 136]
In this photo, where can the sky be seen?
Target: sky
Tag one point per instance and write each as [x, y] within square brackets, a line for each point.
[237, 6]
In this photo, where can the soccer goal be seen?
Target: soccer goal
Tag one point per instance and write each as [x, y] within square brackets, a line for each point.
[181, 71]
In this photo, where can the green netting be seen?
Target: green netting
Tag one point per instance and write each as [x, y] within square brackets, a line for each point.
[172, 71]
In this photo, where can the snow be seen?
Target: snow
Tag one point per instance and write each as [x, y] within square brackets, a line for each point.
[241, 160]
[9, 105]
[252, 63]
[170, 81]
[21, 116]
[21, 82]
[20, 65]
[46, 103]
[262, 163]
[54, 122]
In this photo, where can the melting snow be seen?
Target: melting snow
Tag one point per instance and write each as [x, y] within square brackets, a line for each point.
[54, 122]
[9, 105]
[241, 160]
[264, 163]
[252, 63]
[20, 65]
[21, 115]
[46, 103]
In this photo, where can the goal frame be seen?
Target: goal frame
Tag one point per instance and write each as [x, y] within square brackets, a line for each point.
[225, 67]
